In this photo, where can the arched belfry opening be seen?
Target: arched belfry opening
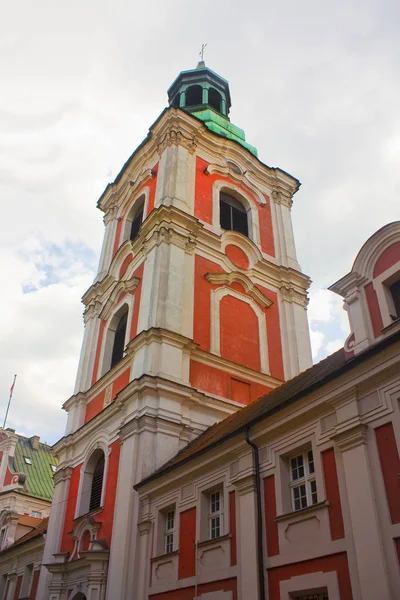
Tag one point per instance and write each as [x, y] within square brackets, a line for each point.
[92, 483]
[214, 99]
[232, 214]
[200, 89]
[119, 337]
[79, 596]
[194, 95]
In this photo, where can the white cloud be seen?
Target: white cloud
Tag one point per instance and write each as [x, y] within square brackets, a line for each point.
[81, 83]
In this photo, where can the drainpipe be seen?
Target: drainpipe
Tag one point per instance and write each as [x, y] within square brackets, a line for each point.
[261, 579]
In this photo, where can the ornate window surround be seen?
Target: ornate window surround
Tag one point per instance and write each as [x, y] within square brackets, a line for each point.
[249, 204]
[106, 344]
[141, 198]
[100, 444]
[215, 336]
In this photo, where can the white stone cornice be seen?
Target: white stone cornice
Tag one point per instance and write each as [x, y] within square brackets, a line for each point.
[158, 334]
[110, 215]
[222, 407]
[280, 197]
[175, 137]
[252, 290]
[245, 485]
[177, 127]
[351, 438]
[242, 178]
[290, 294]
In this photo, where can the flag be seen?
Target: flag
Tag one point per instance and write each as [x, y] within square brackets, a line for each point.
[12, 387]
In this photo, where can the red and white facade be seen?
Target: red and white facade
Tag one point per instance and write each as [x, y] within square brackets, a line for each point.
[185, 324]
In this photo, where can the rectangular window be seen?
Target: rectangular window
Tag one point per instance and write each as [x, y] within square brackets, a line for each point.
[169, 532]
[215, 515]
[302, 480]
[36, 514]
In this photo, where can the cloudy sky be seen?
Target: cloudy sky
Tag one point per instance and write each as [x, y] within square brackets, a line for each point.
[315, 86]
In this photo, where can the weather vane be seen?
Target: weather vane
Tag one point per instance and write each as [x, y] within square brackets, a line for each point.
[201, 53]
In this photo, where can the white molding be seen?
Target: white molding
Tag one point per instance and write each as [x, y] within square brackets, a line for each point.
[240, 178]
[126, 211]
[385, 300]
[226, 279]
[215, 337]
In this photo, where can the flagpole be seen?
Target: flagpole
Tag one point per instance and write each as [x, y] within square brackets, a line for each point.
[9, 400]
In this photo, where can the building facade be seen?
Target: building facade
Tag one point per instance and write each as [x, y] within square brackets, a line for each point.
[297, 495]
[27, 466]
[197, 310]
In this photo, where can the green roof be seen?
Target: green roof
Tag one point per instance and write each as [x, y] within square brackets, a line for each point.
[39, 474]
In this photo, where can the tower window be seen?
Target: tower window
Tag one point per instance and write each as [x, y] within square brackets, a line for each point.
[92, 483]
[233, 215]
[395, 292]
[136, 223]
[119, 339]
[194, 95]
[214, 99]
[97, 484]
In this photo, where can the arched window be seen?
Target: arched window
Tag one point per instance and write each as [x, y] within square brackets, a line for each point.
[233, 215]
[119, 337]
[97, 484]
[194, 95]
[92, 483]
[136, 222]
[214, 99]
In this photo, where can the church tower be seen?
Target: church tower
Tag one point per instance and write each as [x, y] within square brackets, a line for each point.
[198, 308]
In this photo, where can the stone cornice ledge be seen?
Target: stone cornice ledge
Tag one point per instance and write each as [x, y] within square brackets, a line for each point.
[351, 438]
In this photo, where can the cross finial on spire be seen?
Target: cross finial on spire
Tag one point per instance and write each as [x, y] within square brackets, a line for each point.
[201, 53]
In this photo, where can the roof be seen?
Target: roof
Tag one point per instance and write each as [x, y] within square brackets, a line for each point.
[39, 474]
[27, 521]
[149, 136]
[313, 378]
[37, 531]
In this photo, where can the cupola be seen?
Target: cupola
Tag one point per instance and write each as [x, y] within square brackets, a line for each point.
[200, 89]
[205, 95]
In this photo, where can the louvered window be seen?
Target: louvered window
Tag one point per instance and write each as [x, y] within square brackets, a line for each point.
[136, 223]
[119, 340]
[233, 215]
[97, 484]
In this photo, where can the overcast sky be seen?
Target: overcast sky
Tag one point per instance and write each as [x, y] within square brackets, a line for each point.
[315, 86]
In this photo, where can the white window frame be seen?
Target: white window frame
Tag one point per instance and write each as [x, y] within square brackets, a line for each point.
[140, 201]
[169, 530]
[381, 285]
[36, 514]
[306, 478]
[214, 514]
[248, 203]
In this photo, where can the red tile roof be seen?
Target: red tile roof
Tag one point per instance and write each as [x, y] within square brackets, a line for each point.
[311, 379]
[39, 530]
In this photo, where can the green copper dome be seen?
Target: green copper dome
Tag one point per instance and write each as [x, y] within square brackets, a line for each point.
[206, 95]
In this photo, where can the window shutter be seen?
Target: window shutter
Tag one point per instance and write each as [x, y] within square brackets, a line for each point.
[97, 484]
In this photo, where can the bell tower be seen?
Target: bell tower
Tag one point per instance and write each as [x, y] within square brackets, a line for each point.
[198, 308]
